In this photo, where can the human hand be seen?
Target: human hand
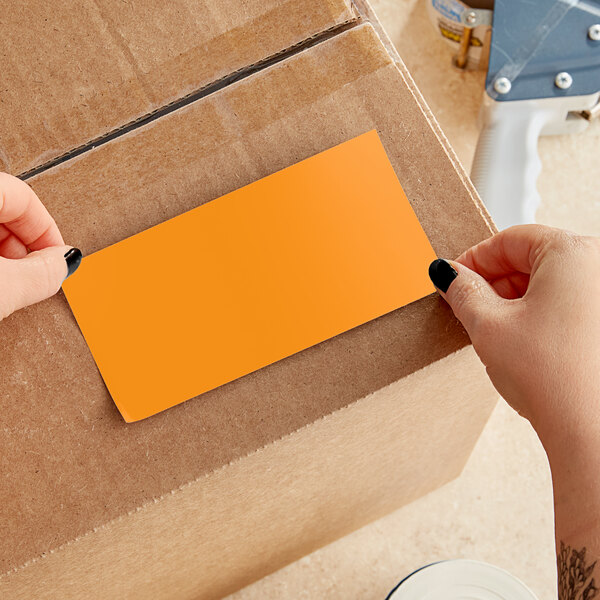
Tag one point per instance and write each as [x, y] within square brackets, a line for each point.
[529, 298]
[34, 260]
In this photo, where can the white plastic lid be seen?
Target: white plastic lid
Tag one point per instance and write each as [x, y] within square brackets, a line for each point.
[461, 580]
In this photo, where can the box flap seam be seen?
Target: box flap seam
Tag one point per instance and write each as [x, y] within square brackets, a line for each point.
[196, 95]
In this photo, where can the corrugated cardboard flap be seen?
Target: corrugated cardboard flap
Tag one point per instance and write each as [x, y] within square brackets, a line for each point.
[74, 71]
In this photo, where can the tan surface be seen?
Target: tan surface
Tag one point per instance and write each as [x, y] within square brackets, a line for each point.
[500, 509]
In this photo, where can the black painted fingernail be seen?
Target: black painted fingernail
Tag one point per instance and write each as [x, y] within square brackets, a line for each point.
[73, 258]
[442, 273]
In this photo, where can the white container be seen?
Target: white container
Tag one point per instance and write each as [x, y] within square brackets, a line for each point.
[461, 580]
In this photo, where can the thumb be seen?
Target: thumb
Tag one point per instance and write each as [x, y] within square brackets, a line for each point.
[38, 276]
[472, 299]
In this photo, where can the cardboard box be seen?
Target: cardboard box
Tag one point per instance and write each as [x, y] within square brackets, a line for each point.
[210, 495]
[76, 70]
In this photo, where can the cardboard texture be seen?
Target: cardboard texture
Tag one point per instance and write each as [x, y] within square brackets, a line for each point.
[211, 494]
[74, 71]
[259, 274]
[313, 485]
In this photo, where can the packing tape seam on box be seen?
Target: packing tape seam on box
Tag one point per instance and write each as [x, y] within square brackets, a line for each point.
[225, 466]
[206, 90]
[386, 42]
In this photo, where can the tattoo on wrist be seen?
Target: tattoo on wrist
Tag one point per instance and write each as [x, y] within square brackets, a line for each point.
[575, 576]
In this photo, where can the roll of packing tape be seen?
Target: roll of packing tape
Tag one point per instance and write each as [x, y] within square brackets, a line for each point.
[461, 580]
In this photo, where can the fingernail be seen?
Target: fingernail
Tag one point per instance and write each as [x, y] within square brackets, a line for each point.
[73, 258]
[442, 273]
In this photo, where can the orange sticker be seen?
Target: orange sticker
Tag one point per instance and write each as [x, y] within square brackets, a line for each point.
[250, 278]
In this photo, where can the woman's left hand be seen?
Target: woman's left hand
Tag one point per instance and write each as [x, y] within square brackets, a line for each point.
[34, 260]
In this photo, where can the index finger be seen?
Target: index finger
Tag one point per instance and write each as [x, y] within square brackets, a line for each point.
[24, 215]
[513, 250]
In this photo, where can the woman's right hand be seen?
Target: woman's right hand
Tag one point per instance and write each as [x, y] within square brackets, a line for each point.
[529, 298]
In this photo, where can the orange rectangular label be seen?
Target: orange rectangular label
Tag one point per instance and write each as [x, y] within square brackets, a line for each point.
[250, 278]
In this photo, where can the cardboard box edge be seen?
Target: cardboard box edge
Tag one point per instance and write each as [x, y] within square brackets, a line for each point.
[464, 355]
[366, 10]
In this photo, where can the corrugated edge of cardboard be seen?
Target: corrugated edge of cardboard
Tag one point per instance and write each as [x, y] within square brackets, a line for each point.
[366, 11]
[465, 358]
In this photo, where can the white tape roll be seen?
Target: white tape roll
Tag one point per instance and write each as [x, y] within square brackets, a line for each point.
[461, 580]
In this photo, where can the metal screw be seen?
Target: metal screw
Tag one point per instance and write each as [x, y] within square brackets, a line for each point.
[502, 85]
[563, 80]
[471, 18]
[594, 32]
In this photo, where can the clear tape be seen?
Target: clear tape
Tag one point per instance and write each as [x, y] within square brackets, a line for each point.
[524, 53]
